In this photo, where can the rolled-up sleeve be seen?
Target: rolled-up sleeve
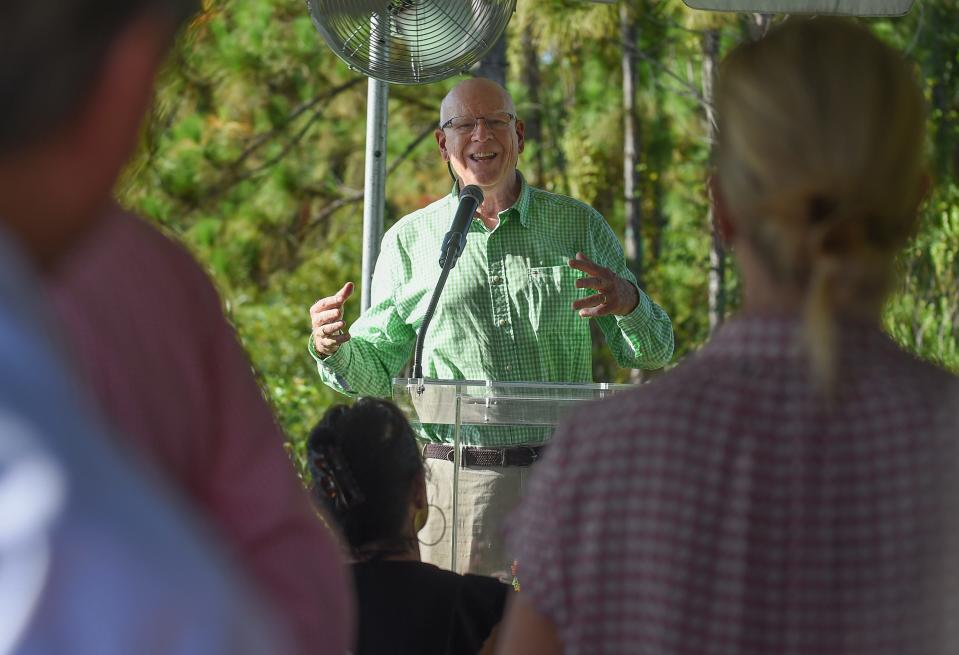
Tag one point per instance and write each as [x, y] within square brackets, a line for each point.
[381, 342]
[644, 337]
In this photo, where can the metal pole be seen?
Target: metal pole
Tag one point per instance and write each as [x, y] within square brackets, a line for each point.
[374, 201]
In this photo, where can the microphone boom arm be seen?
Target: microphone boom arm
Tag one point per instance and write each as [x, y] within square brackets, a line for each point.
[454, 242]
[448, 260]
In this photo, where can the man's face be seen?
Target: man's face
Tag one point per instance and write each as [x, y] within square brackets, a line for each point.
[486, 154]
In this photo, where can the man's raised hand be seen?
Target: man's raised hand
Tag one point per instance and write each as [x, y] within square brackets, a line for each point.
[329, 328]
[615, 295]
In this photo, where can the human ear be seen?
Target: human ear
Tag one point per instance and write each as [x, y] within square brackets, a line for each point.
[419, 492]
[441, 142]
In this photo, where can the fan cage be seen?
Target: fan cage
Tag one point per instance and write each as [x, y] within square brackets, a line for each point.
[411, 41]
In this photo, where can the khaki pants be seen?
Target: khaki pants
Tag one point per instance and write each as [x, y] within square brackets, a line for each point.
[487, 496]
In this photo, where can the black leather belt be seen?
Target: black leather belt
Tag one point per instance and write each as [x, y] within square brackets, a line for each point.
[477, 456]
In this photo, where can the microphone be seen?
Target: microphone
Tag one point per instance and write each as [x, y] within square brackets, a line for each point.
[471, 197]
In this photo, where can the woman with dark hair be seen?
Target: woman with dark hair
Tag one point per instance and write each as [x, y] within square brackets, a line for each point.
[368, 472]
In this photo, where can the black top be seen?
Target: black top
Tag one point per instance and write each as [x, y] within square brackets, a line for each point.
[412, 608]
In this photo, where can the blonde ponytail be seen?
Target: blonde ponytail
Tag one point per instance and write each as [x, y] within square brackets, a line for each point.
[820, 161]
[819, 337]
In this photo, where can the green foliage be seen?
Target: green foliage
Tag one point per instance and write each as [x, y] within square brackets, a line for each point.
[255, 158]
[924, 316]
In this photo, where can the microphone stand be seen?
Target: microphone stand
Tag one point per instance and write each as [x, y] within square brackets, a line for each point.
[449, 261]
[454, 242]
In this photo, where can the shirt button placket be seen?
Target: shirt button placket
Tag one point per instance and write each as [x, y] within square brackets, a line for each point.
[499, 297]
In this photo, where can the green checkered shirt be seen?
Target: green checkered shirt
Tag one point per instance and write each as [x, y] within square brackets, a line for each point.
[505, 312]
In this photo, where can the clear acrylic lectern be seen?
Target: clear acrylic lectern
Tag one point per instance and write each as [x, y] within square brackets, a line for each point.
[485, 414]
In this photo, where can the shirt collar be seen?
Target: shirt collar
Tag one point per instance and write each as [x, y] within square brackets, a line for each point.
[520, 207]
[522, 203]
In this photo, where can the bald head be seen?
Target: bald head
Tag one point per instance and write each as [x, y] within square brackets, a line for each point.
[483, 147]
[475, 97]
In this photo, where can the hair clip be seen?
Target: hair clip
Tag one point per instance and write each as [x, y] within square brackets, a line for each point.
[333, 482]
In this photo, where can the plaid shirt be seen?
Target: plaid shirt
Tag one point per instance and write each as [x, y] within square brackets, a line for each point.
[505, 312]
[725, 509]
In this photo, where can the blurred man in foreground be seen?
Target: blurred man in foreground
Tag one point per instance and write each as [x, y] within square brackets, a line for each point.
[145, 326]
[93, 559]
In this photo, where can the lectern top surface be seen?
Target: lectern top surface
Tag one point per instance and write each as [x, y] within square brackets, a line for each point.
[598, 386]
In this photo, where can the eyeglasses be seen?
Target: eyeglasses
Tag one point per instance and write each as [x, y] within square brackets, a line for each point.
[497, 122]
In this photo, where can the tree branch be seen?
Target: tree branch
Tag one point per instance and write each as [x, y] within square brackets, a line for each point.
[219, 189]
[355, 195]
[689, 89]
[228, 182]
[649, 18]
[416, 102]
[410, 148]
[920, 23]
[259, 140]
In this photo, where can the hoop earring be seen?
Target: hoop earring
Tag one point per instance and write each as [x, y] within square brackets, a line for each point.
[442, 534]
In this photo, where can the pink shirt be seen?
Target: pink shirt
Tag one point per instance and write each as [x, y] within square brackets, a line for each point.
[150, 337]
[724, 509]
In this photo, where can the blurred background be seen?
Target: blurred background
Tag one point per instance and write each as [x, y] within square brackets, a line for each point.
[253, 157]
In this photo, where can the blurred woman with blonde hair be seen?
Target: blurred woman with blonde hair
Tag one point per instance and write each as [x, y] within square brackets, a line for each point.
[787, 489]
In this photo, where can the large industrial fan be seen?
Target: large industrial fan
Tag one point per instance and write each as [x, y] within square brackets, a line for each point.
[402, 42]
[411, 41]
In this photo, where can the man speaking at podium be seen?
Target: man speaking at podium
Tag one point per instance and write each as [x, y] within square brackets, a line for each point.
[535, 267]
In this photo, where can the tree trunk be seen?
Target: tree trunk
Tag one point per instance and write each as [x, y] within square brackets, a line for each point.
[658, 217]
[494, 64]
[533, 116]
[657, 147]
[631, 145]
[717, 256]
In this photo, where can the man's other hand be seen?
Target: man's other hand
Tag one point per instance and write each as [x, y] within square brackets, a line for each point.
[614, 294]
[326, 315]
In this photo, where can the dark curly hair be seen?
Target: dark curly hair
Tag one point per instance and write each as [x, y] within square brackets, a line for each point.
[368, 460]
